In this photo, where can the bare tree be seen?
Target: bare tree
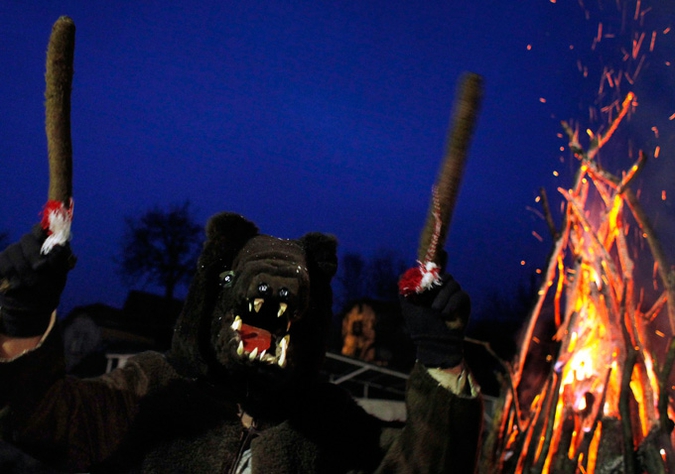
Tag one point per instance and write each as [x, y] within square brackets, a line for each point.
[384, 270]
[4, 239]
[368, 277]
[161, 247]
[351, 278]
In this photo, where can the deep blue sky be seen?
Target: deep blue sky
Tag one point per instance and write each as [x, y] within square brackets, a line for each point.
[302, 116]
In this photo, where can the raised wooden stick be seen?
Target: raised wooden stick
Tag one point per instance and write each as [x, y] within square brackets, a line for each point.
[463, 122]
[59, 78]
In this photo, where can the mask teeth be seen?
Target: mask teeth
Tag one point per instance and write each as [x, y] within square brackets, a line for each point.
[269, 359]
[281, 350]
[257, 303]
[236, 324]
[280, 356]
[253, 354]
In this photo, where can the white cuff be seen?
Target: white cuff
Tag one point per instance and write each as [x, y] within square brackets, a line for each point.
[456, 383]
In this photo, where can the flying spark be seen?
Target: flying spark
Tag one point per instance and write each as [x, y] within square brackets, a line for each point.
[651, 44]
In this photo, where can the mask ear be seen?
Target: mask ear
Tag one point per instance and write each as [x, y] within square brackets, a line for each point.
[226, 234]
[321, 249]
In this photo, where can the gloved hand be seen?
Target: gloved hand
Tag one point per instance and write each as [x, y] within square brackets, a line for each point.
[31, 284]
[436, 319]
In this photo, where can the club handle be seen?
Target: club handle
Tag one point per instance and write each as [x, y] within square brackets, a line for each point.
[59, 79]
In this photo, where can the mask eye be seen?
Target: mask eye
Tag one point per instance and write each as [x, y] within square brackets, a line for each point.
[226, 279]
[263, 289]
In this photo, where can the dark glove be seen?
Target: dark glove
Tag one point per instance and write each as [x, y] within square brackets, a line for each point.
[436, 320]
[31, 284]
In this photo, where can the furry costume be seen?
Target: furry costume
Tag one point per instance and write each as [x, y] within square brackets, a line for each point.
[249, 343]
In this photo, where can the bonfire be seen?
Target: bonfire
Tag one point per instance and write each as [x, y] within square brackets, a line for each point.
[604, 403]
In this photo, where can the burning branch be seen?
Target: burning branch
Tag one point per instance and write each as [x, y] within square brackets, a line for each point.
[505, 365]
[624, 402]
[547, 214]
[600, 140]
[665, 271]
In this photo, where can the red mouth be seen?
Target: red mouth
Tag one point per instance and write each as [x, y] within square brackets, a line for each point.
[254, 337]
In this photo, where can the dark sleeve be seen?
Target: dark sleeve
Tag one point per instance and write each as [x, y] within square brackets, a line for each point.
[442, 430]
[67, 422]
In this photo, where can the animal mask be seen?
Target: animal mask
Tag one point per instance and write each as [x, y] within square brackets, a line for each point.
[258, 309]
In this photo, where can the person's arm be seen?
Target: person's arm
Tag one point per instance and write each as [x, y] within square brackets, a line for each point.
[443, 403]
[13, 347]
[32, 279]
[442, 429]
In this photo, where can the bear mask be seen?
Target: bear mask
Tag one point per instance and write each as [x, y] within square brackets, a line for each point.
[258, 309]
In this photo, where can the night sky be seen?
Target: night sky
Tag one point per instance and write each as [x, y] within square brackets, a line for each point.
[318, 116]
